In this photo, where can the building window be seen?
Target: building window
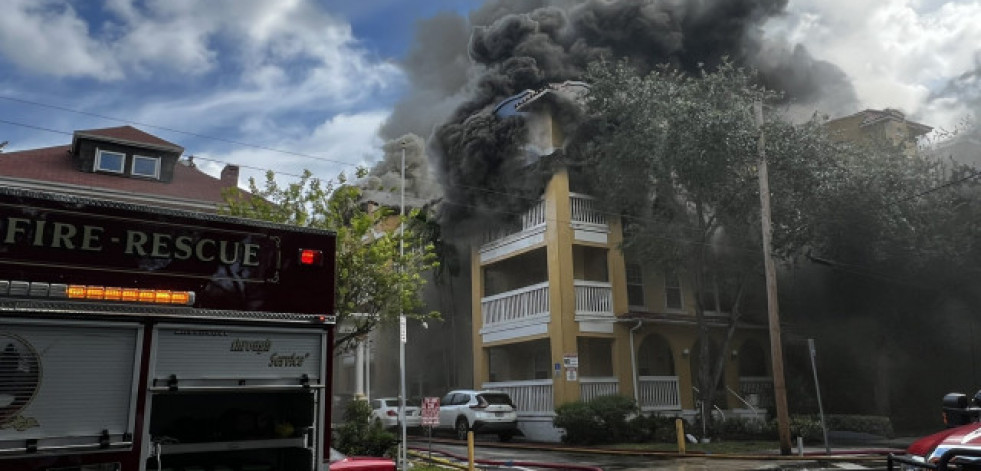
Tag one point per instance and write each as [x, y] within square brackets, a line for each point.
[108, 161]
[146, 166]
[716, 298]
[635, 285]
[672, 291]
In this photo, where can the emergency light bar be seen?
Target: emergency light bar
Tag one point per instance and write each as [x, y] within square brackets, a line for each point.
[95, 293]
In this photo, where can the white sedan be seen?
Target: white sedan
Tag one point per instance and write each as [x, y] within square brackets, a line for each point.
[386, 412]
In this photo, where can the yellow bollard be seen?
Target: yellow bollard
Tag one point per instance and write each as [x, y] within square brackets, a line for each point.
[470, 465]
[679, 428]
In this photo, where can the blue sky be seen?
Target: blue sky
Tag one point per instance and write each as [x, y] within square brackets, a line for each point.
[316, 78]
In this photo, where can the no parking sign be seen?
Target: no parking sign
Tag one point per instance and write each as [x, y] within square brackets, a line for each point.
[430, 411]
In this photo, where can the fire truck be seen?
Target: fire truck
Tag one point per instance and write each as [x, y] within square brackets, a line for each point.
[137, 338]
[957, 447]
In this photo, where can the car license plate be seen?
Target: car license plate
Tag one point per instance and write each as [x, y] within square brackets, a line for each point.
[499, 414]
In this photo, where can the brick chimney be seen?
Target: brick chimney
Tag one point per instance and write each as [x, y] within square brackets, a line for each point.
[229, 176]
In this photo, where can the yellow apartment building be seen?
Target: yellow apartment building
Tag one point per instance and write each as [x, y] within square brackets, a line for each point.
[560, 314]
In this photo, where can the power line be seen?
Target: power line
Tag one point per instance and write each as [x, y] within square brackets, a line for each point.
[324, 159]
[188, 133]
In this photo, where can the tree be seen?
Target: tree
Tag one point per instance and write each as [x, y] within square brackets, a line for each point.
[676, 156]
[373, 278]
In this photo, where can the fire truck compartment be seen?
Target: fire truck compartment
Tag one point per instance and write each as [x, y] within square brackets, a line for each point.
[216, 430]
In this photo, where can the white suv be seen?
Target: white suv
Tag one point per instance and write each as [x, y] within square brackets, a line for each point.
[483, 411]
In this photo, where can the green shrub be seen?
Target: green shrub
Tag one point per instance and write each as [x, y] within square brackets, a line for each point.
[652, 428]
[581, 426]
[359, 436]
[872, 424]
[608, 419]
[613, 414]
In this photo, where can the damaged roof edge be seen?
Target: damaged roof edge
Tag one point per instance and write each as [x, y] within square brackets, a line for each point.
[513, 105]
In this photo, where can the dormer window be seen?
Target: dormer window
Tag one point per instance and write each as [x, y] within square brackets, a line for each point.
[108, 161]
[144, 166]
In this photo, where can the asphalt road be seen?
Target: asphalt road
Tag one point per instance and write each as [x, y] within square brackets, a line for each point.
[622, 462]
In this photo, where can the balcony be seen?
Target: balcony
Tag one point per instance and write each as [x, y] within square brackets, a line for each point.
[758, 390]
[594, 306]
[518, 313]
[526, 233]
[588, 223]
[592, 387]
[657, 393]
[531, 397]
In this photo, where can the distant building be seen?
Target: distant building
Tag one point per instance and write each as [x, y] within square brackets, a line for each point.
[121, 163]
[962, 149]
[888, 126]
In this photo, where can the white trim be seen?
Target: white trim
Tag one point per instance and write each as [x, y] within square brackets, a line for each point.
[594, 326]
[515, 330]
[97, 164]
[156, 166]
[526, 239]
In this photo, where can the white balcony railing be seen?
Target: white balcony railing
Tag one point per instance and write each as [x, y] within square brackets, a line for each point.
[584, 210]
[659, 393]
[592, 387]
[528, 303]
[758, 389]
[532, 218]
[532, 397]
[594, 299]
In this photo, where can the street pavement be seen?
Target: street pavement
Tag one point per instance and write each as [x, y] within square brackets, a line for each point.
[632, 462]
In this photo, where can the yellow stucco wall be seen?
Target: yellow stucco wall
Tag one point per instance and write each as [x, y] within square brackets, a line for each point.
[562, 327]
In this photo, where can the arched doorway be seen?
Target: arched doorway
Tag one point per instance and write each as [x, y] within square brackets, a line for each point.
[755, 384]
[752, 359]
[657, 381]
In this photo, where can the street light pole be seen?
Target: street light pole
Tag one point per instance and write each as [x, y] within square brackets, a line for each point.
[403, 448]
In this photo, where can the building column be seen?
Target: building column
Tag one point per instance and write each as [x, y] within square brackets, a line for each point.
[562, 327]
[359, 370]
[480, 363]
[617, 268]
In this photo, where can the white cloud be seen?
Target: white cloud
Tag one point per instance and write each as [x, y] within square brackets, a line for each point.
[339, 144]
[48, 37]
[897, 52]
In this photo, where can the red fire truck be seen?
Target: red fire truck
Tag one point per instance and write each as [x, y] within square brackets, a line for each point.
[140, 339]
[957, 447]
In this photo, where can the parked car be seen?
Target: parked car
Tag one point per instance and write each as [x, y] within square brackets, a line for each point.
[482, 411]
[341, 462]
[386, 411]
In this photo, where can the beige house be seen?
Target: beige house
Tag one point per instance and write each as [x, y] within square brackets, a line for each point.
[560, 314]
[875, 127]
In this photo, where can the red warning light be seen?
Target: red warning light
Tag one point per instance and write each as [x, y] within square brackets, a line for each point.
[311, 257]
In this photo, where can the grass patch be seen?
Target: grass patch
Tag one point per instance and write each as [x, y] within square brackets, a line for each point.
[715, 447]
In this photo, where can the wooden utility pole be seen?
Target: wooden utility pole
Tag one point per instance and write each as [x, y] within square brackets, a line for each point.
[776, 350]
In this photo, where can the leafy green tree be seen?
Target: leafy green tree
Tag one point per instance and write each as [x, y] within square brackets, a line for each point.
[676, 156]
[373, 277]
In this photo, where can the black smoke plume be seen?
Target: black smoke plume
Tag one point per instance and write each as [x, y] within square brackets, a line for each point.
[515, 45]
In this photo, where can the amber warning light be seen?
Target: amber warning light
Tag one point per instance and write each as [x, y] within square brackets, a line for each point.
[155, 296]
[311, 257]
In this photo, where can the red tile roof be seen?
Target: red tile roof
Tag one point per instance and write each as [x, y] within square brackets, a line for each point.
[54, 164]
[128, 135]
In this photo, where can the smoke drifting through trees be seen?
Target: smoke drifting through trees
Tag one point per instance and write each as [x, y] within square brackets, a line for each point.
[514, 45]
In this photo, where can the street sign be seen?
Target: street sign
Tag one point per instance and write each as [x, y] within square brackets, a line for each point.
[430, 411]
